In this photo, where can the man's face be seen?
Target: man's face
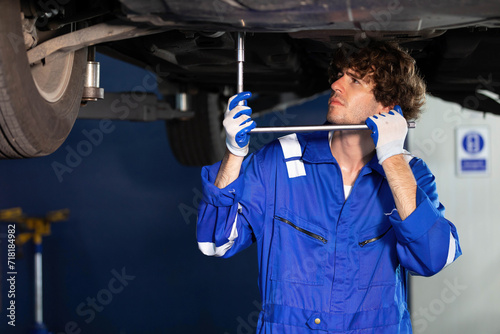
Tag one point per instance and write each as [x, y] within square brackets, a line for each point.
[352, 100]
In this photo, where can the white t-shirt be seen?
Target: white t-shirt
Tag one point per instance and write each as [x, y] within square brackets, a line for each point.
[347, 191]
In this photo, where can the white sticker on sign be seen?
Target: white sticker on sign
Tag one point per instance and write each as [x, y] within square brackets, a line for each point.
[472, 144]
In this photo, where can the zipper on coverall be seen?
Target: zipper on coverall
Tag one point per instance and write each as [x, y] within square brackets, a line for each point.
[300, 229]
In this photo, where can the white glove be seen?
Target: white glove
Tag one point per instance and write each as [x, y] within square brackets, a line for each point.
[388, 132]
[237, 123]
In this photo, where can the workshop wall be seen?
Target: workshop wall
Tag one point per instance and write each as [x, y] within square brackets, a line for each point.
[462, 299]
[127, 260]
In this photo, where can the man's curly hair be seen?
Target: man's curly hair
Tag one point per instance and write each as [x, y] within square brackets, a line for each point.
[391, 68]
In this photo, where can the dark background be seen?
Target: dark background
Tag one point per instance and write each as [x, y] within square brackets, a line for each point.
[133, 210]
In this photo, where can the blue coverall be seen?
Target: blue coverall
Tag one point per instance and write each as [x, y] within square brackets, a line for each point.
[326, 264]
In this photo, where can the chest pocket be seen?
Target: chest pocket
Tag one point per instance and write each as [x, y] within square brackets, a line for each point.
[298, 251]
[378, 263]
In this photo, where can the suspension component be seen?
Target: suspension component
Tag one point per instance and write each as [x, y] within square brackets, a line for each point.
[91, 89]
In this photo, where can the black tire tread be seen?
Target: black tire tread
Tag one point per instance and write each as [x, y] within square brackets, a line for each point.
[31, 126]
[198, 141]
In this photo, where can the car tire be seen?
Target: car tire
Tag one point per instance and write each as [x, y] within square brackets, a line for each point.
[39, 103]
[199, 140]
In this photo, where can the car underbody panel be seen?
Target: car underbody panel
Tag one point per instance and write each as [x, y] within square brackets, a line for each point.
[288, 44]
[298, 15]
[191, 44]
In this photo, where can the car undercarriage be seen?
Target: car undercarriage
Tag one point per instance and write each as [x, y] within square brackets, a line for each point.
[190, 46]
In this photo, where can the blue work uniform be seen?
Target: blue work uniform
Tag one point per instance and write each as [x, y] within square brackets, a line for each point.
[327, 264]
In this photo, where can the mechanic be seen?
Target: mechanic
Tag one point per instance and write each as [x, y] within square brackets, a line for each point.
[340, 218]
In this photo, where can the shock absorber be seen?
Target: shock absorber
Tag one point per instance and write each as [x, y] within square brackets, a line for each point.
[91, 89]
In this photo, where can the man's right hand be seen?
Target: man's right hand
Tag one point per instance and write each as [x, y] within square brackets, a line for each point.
[237, 123]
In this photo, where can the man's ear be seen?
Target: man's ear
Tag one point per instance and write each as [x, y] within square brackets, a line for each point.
[391, 106]
[386, 109]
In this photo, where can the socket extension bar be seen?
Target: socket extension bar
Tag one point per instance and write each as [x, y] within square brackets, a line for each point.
[312, 128]
[299, 128]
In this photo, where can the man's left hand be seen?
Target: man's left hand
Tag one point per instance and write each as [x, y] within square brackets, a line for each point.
[388, 132]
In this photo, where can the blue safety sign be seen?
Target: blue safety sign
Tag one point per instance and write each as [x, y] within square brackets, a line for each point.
[472, 151]
[473, 142]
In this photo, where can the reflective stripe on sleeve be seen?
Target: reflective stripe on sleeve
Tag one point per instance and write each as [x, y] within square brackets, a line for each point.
[209, 248]
[451, 251]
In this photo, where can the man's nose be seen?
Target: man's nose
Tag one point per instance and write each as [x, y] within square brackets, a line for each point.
[338, 85]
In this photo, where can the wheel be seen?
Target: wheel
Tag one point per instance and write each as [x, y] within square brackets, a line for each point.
[38, 103]
[199, 140]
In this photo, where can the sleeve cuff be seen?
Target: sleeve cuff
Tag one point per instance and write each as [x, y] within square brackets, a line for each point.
[227, 196]
[418, 223]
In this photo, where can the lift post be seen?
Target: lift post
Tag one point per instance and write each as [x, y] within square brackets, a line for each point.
[36, 227]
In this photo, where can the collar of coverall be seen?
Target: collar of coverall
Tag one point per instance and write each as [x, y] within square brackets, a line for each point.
[317, 150]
